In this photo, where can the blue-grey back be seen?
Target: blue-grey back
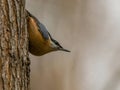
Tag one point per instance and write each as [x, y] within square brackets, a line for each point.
[41, 28]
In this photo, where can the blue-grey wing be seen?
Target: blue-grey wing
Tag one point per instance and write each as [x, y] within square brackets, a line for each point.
[41, 28]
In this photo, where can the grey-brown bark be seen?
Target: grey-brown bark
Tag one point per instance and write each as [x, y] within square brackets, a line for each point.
[15, 68]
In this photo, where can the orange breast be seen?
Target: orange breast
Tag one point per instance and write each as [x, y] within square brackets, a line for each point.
[38, 45]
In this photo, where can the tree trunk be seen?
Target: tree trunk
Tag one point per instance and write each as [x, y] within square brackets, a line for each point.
[15, 69]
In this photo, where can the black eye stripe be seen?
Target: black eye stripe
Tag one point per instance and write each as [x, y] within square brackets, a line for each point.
[57, 43]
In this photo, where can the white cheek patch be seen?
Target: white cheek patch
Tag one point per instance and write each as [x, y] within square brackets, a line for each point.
[53, 45]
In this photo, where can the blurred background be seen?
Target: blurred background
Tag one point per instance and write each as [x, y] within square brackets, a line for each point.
[90, 29]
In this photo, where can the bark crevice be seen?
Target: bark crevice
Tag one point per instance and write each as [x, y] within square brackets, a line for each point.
[14, 60]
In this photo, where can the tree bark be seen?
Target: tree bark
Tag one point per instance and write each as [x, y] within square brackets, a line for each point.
[15, 64]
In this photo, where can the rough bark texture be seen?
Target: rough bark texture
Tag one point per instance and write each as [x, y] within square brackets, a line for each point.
[15, 68]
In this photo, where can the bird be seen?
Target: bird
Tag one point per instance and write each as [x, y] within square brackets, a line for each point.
[40, 40]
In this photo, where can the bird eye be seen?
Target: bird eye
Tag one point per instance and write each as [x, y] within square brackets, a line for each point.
[58, 44]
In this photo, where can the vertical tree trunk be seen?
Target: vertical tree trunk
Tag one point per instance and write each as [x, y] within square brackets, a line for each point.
[15, 69]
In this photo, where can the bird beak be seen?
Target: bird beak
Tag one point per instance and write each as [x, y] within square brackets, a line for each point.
[62, 49]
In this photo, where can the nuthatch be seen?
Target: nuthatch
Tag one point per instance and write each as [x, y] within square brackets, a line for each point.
[40, 40]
